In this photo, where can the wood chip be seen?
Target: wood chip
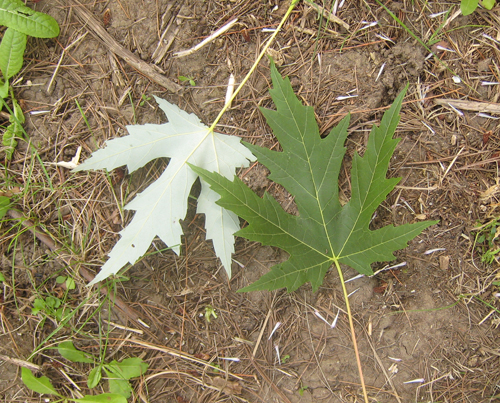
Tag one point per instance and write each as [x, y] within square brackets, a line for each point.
[486, 107]
[207, 40]
[328, 15]
[444, 262]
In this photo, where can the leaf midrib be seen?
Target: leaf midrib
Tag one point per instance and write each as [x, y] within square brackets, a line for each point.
[315, 196]
[184, 164]
[30, 19]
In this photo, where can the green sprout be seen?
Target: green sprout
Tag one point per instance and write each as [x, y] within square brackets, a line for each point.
[188, 78]
[285, 358]
[70, 283]
[209, 312]
[145, 99]
[486, 238]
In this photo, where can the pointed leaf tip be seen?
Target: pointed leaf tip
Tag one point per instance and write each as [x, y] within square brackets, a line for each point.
[40, 385]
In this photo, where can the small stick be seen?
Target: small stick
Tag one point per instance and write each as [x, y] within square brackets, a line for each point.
[21, 363]
[207, 40]
[153, 73]
[328, 15]
[51, 82]
[181, 354]
[451, 164]
[261, 333]
[486, 107]
[230, 89]
[164, 46]
[128, 329]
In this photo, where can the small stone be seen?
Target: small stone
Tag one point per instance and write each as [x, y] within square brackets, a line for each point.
[444, 262]
[484, 65]
[473, 361]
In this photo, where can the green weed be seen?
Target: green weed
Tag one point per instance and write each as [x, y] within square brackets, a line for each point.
[469, 6]
[144, 99]
[216, 368]
[209, 313]
[485, 240]
[20, 21]
[189, 79]
[117, 374]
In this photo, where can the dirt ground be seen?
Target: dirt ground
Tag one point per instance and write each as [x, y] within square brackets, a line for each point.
[427, 328]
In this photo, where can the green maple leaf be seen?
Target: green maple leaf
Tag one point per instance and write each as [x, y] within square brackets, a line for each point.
[325, 233]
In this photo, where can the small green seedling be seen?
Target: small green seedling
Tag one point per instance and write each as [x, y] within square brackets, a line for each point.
[50, 307]
[117, 373]
[469, 6]
[486, 238]
[2, 278]
[16, 120]
[190, 79]
[302, 390]
[490, 256]
[285, 358]
[145, 99]
[209, 312]
[20, 21]
[54, 308]
[70, 283]
[216, 368]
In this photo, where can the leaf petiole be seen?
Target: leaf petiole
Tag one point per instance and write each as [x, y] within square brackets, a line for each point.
[351, 326]
[254, 65]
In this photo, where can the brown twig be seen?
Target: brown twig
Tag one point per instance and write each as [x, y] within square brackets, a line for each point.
[328, 15]
[20, 363]
[152, 72]
[485, 107]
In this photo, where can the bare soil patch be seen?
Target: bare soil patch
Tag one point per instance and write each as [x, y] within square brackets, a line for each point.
[427, 330]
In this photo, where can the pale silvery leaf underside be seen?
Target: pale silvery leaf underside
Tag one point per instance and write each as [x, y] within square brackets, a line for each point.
[159, 208]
